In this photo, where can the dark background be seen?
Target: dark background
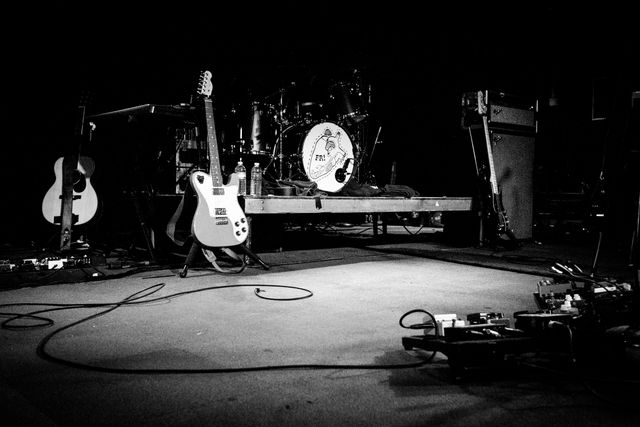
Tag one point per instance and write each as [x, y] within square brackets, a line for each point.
[418, 58]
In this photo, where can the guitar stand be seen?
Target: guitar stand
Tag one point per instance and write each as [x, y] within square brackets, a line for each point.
[496, 241]
[243, 248]
[195, 248]
[513, 242]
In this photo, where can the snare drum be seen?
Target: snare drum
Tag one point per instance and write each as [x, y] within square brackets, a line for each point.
[326, 155]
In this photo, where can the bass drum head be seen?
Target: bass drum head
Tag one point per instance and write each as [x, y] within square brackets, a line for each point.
[327, 156]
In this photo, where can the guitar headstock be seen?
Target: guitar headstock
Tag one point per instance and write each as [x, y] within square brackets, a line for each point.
[204, 87]
[482, 104]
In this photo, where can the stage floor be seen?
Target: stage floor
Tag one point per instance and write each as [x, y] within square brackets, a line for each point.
[310, 355]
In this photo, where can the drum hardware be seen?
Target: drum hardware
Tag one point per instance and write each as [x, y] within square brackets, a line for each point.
[239, 144]
[364, 173]
[287, 109]
[283, 118]
[233, 131]
[310, 112]
[281, 130]
[347, 100]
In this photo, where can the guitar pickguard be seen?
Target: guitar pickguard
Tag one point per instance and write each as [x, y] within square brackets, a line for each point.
[219, 220]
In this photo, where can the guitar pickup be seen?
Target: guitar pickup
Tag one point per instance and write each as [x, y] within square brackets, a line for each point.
[222, 221]
[221, 211]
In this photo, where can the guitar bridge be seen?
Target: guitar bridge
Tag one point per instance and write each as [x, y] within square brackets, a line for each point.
[58, 219]
[222, 221]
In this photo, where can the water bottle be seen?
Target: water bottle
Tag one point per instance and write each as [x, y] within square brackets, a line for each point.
[241, 171]
[256, 180]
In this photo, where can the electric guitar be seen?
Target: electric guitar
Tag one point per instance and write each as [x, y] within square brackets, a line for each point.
[496, 215]
[597, 200]
[219, 221]
[72, 200]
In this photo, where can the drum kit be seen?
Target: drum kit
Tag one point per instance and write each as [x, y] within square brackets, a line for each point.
[295, 138]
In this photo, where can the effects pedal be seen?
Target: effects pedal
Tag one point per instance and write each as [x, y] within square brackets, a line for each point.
[443, 322]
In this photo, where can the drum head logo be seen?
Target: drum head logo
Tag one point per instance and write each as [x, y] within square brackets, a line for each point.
[326, 149]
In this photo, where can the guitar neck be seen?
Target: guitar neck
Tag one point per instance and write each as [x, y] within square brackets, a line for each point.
[69, 166]
[212, 143]
[492, 169]
[482, 110]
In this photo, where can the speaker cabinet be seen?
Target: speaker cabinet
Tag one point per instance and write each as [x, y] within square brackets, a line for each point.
[512, 124]
[513, 158]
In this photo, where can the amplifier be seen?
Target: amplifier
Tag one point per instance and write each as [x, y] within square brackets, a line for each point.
[505, 112]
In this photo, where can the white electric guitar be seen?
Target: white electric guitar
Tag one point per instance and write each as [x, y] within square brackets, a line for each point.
[219, 220]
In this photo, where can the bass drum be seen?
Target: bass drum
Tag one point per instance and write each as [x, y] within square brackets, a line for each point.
[327, 156]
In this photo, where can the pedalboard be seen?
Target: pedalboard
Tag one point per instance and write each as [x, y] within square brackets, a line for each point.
[572, 314]
[479, 340]
[604, 304]
[44, 263]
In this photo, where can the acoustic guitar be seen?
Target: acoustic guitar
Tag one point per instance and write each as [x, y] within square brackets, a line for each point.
[72, 200]
[219, 221]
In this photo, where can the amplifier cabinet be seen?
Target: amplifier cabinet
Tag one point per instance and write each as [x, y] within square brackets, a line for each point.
[507, 112]
[502, 115]
[512, 125]
[513, 158]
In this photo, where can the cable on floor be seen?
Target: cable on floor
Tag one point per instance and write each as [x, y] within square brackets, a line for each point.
[423, 325]
[141, 297]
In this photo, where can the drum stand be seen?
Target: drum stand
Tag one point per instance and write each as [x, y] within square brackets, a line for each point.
[361, 146]
[280, 131]
[366, 170]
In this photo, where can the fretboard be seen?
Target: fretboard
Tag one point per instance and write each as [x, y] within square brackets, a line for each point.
[212, 143]
[492, 170]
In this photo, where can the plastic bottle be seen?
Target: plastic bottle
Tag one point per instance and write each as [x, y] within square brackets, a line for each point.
[256, 180]
[241, 171]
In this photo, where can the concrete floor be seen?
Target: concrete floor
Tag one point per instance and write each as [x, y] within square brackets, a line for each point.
[163, 362]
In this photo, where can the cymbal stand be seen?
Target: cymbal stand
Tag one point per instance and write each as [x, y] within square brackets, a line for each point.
[280, 132]
[367, 169]
[361, 146]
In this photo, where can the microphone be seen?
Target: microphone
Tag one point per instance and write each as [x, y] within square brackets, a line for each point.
[341, 173]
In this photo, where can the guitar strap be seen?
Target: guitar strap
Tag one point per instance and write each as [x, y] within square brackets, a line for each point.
[176, 230]
[211, 257]
[179, 231]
